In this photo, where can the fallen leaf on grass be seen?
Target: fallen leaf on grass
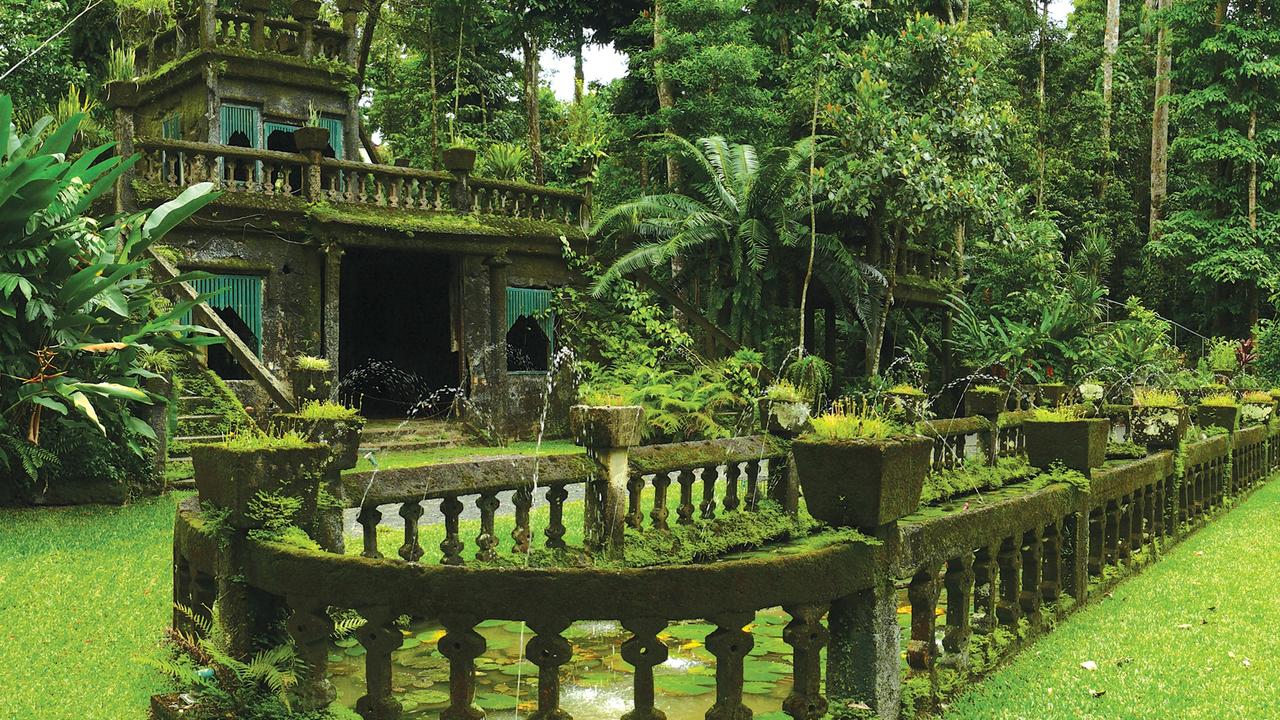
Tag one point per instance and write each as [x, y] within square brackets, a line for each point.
[1097, 693]
[1089, 665]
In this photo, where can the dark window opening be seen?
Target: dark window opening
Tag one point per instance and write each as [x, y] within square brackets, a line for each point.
[528, 347]
[241, 171]
[282, 141]
[221, 361]
[396, 344]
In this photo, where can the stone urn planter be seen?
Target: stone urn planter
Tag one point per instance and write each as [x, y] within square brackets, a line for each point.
[311, 138]
[1223, 416]
[987, 402]
[1078, 443]
[341, 436]
[782, 418]
[230, 477]
[860, 483]
[458, 159]
[305, 10]
[604, 426]
[1052, 394]
[311, 384]
[1160, 428]
[910, 404]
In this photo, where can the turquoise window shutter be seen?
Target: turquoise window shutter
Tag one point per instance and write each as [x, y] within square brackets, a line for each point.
[335, 135]
[533, 302]
[242, 294]
[171, 128]
[269, 127]
[240, 118]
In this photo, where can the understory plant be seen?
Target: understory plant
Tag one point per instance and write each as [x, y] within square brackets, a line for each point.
[1155, 397]
[312, 363]
[78, 304]
[1220, 400]
[849, 420]
[326, 410]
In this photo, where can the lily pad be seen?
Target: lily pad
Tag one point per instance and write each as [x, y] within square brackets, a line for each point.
[346, 642]
[494, 701]
[759, 688]
[356, 651]
[427, 697]
[691, 631]
[685, 685]
[410, 642]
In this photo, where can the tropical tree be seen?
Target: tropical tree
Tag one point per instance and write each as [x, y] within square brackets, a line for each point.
[79, 310]
[728, 227]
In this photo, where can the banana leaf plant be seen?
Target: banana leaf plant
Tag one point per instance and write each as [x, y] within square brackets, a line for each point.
[78, 307]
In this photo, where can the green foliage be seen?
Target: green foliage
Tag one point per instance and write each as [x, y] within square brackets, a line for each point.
[73, 288]
[278, 515]
[251, 440]
[974, 475]
[811, 376]
[1155, 397]
[504, 161]
[704, 542]
[850, 422]
[122, 63]
[1220, 355]
[1219, 400]
[1063, 413]
[327, 410]
[310, 362]
[1058, 473]
[783, 391]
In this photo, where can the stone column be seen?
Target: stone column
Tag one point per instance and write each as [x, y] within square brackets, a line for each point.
[331, 319]
[313, 185]
[608, 434]
[496, 367]
[158, 419]
[126, 199]
[862, 659]
[208, 24]
[350, 10]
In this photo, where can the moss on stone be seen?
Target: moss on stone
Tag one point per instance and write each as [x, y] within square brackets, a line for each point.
[443, 223]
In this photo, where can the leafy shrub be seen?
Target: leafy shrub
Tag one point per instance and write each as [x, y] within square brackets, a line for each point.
[1258, 397]
[783, 391]
[1221, 355]
[312, 363]
[850, 421]
[811, 375]
[327, 410]
[597, 398]
[504, 161]
[1154, 397]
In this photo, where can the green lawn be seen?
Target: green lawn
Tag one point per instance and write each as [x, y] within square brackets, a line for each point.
[84, 592]
[1193, 636]
[389, 459]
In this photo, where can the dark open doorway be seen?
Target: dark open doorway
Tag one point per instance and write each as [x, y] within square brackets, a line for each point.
[395, 340]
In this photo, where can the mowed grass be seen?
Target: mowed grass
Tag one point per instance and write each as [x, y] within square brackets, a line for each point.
[389, 459]
[1193, 636]
[84, 592]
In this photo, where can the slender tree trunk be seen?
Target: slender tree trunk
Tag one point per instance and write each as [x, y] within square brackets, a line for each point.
[666, 94]
[579, 75]
[1110, 44]
[362, 65]
[1042, 151]
[1252, 293]
[964, 14]
[1160, 124]
[813, 213]
[434, 96]
[875, 333]
[532, 106]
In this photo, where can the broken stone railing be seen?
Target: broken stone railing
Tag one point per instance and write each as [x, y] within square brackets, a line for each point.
[302, 36]
[309, 177]
[1006, 564]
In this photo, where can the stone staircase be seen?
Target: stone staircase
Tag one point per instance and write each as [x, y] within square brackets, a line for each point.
[206, 411]
[410, 435]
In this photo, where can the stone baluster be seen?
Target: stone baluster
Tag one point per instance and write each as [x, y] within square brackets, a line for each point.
[411, 550]
[555, 523]
[684, 513]
[523, 501]
[1111, 532]
[487, 540]
[807, 637]
[310, 627]
[380, 637]
[1032, 575]
[1137, 518]
[958, 582]
[635, 516]
[369, 518]
[644, 651]
[985, 591]
[710, 475]
[784, 487]
[1155, 519]
[1051, 581]
[1008, 607]
[729, 643]
[753, 474]
[659, 513]
[451, 546]
[732, 477]
[461, 644]
[923, 594]
[549, 651]
[1124, 530]
[1097, 544]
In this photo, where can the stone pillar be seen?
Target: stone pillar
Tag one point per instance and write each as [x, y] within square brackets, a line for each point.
[607, 433]
[350, 10]
[862, 658]
[126, 199]
[312, 184]
[497, 360]
[331, 314]
[460, 190]
[208, 24]
[258, 31]
[306, 12]
[158, 419]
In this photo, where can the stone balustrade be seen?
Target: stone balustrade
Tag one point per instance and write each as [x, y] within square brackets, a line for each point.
[978, 580]
[310, 178]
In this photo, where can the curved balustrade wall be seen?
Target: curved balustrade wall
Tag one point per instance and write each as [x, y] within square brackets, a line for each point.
[1009, 562]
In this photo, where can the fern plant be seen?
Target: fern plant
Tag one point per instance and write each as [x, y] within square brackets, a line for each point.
[504, 161]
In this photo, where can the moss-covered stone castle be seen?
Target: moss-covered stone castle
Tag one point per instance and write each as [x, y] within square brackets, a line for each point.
[316, 252]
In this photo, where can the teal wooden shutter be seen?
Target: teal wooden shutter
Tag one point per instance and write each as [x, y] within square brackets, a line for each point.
[269, 127]
[533, 302]
[242, 294]
[171, 128]
[335, 135]
[240, 118]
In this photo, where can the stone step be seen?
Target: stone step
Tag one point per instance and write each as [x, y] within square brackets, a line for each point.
[200, 438]
[200, 417]
[401, 445]
[195, 402]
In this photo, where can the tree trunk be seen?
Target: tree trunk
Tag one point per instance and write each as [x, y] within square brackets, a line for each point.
[434, 95]
[1110, 44]
[666, 94]
[875, 333]
[579, 75]
[533, 107]
[362, 65]
[1042, 153]
[1160, 125]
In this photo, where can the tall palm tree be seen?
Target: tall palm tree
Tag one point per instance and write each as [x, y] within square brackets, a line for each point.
[744, 211]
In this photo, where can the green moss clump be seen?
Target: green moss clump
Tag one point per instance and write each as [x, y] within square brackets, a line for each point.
[254, 441]
[310, 362]
[326, 410]
[973, 476]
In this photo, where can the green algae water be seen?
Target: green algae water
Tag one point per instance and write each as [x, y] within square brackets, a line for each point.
[595, 685]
